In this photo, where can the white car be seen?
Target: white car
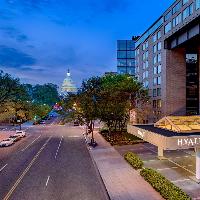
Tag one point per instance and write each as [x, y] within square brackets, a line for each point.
[6, 142]
[20, 134]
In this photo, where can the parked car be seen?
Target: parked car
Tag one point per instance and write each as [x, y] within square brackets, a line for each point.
[6, 142]
[15, 138]
[20, 133]
[42, 122]
[76, 123]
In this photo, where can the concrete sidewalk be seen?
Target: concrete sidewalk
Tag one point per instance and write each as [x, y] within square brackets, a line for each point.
[121, 180]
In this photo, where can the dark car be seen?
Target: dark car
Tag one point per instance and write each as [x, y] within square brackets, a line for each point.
[76, 123]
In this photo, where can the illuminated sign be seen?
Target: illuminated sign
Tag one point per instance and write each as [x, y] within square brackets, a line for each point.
[188, 141]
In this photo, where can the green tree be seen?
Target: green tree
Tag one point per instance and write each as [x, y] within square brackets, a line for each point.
[45, 94]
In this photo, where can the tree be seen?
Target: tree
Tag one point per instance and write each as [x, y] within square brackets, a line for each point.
[45, 94]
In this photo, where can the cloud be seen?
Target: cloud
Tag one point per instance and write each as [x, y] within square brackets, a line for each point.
[14, 33]
[12, 57]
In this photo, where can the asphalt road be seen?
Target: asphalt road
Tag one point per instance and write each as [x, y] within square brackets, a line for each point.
[52, 163]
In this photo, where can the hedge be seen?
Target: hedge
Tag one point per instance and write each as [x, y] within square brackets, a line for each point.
[133, 160]
[162, 185]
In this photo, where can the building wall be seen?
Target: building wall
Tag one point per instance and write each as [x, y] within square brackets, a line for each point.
[172, 100]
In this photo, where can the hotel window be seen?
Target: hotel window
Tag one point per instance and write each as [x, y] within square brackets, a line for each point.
[159, 46]
[159, 35]
[154, 93]
[159, 103]
[155, 48]
[146, 83]
[155, 60]
[145, 74]
[147, 64]
[155, 70]
[154, 81]
[197, 4]
[186, 13]
[146, 54]
[154, 38]
[191, 8]
[168, 15]
[143, 56]
[121, 62]
[159, 80]
[159, 57]
[176, 8]
[177, 20]
[168, 27]
[158, 92]
[185, 1]
[159, 69]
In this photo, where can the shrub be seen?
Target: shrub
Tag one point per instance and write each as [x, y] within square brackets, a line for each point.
[162, 185]
[133, 160]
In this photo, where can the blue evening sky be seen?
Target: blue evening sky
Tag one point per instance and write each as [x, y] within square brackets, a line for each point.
[41, 39]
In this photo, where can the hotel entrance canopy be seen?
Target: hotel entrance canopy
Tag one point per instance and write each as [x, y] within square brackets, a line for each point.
[180, 124]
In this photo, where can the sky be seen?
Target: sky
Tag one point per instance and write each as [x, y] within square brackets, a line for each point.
[41, 39]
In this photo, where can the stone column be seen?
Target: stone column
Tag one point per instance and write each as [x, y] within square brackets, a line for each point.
[197, 163]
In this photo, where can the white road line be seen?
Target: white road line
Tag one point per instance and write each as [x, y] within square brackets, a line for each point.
[180, 180]
[161, 169]
[58, 147]
[47, 180]
[3, 167]
[74, 136]
[31, 143]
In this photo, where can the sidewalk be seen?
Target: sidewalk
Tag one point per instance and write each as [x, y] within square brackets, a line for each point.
[121, 180]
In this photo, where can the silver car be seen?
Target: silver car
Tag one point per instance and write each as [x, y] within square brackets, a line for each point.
[6, 142]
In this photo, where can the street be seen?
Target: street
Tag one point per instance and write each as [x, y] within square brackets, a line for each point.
[52, 162]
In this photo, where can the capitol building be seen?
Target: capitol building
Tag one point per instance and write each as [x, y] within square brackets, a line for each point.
[68, 86]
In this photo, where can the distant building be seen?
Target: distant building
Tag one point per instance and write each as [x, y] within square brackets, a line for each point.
[68, 85]
[126, 56]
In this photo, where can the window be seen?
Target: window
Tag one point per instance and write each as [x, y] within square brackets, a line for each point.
[131, 62]
[176, 8]
[155, 70]
[154, 38]
[159, 35]
[191, 9]
[130, 54]
[154, 93]
[158, 92]
[177, 20]
[159, 103]
[159, 46]
[188, 11]
[168, 27]
[121, 62]
[121, 54]
[168, 15]
[197, 4]
[159, 69]
[154, 48]
[155, 81]
[147, 64]
[159, 80]
[145, 74]
[155, 60]
[185, 1]
[147, 54]
[121, 44]
[121, 70]
[130, 45]
[154, 103]
[159, 57]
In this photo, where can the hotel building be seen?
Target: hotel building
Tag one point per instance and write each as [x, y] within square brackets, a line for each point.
[167, 61]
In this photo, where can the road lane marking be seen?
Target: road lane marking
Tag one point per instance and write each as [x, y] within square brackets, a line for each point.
[30, 143]
[47, 180]
[161, 169]
[3, 167]
[58, 147]
[25, 171]
[180, 180]
[74, 136]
